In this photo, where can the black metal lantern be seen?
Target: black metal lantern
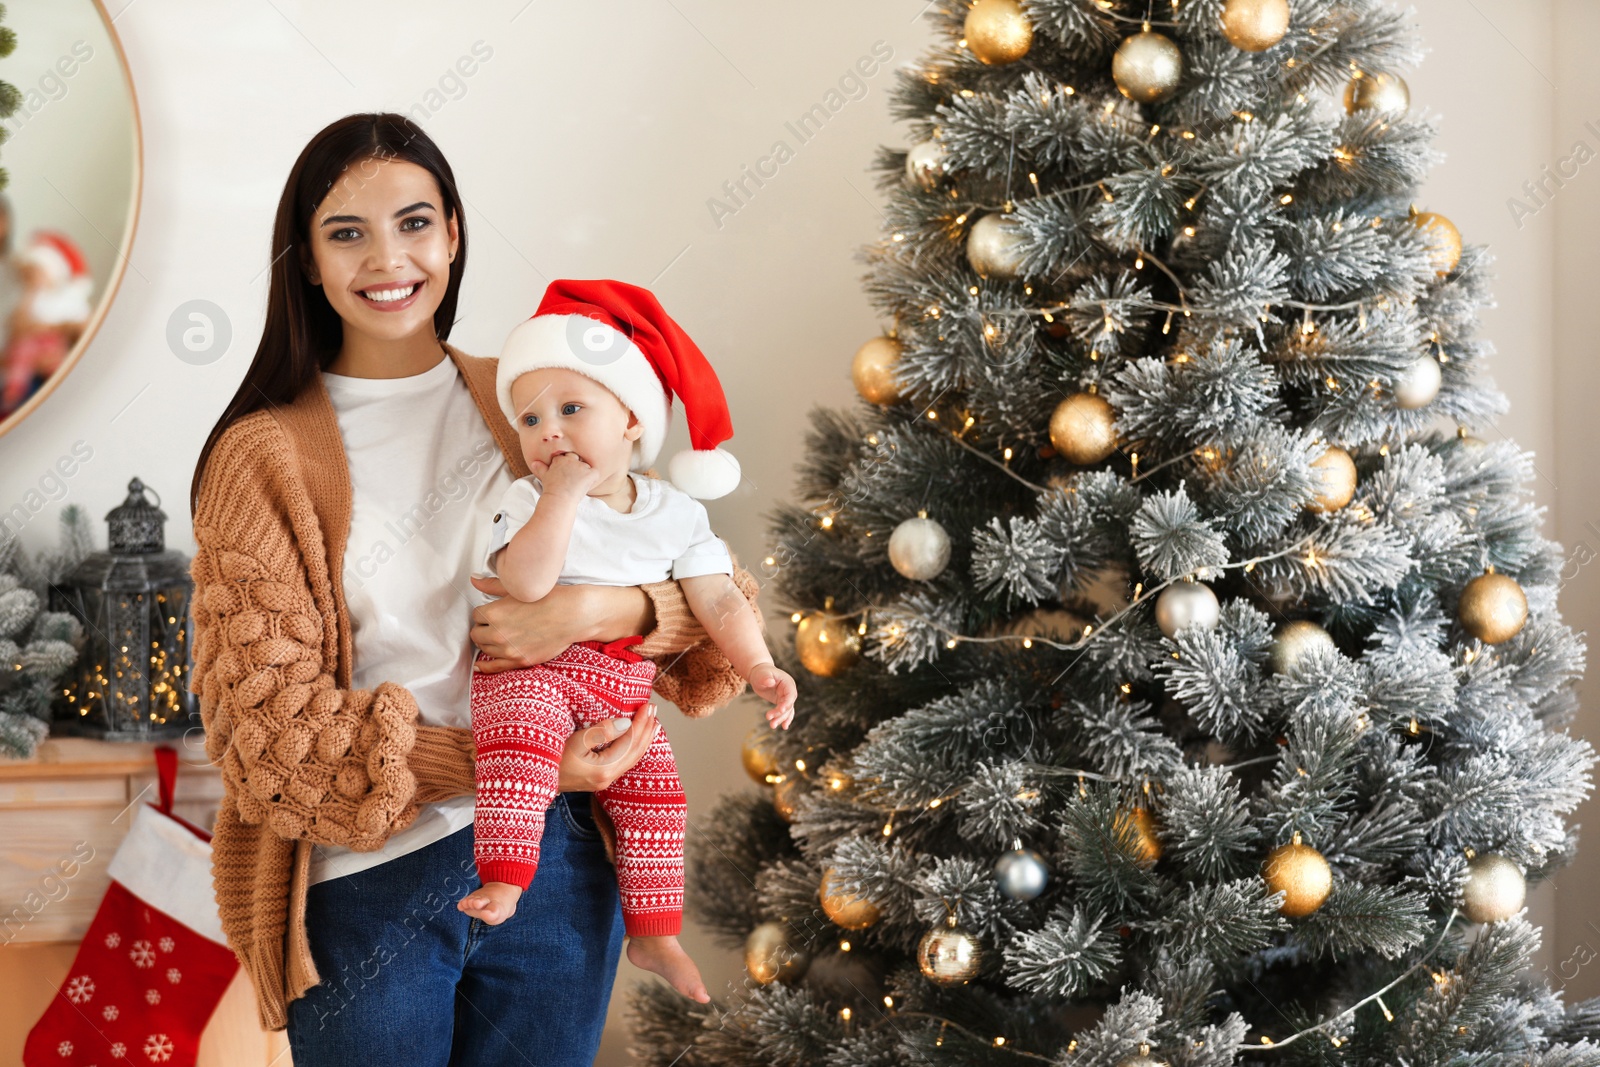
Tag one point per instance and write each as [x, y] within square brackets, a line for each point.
[131, 679]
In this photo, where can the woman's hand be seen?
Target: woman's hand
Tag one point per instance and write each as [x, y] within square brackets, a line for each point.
[586, 766]
[513, 633]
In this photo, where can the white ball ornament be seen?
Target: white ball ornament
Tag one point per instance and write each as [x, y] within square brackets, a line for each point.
[1419, 384]
[1185, 604]
[919, 548]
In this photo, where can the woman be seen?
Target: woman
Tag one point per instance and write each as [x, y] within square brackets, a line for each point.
[337, 507]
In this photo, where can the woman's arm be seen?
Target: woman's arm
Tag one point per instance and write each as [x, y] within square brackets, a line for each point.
[335, 766]
[518, 634]
[694, 674]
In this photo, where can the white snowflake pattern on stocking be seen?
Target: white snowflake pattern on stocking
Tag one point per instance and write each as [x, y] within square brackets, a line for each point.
[173, 975]
[158, 1047]
[65, 1048]
[80, 989]
[152, 996]
[110, 1013]
[142, 955]
[166, 944]
[118, 1049]
[113, 940]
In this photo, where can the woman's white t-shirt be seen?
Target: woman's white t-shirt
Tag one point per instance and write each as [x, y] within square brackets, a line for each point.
[424, 472]
[666, 534]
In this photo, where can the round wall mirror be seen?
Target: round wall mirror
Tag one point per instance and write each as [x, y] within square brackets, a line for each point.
[73, 161]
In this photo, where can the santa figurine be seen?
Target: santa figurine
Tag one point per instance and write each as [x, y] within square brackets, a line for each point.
[50, 317]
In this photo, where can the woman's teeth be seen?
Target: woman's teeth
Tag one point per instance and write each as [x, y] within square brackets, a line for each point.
[383, 296]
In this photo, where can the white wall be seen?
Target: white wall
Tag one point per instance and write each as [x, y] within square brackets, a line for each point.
[588, 143]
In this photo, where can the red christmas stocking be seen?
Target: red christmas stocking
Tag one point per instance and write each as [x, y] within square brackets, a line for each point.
[150, 971]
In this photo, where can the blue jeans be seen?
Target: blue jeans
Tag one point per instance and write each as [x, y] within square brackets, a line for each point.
[409, 980]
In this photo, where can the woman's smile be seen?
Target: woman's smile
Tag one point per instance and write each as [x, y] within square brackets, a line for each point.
[391, 296]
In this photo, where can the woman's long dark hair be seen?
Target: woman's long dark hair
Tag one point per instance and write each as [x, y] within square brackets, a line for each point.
[303, 333]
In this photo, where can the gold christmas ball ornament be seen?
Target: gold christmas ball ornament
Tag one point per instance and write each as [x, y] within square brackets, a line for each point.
[1147, 67]
[1142, 824]
[1300, 873]
[925, 165]
[1493, 608]
[1444, 240]
[844, 909]
[1083, 429]
[1255, 25]
[1418, 384]
[919, 548]
[826, 646]
[994, 248]
[1185, 604]
[769, 956]
[758, 754]
[1293, 642]
[873, 369]
[1377, 92]
[786, 796]
[1494, 890]
[998, 31]
[1337, 473]
[948, 955]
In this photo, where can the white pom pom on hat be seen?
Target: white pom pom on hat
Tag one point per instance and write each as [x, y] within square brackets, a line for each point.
[619, 335]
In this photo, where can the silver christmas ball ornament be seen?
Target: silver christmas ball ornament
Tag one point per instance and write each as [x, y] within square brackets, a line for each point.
[925, 165]
[1495, 889]
[1021, 874]
[919, 548]
[948, 955]
[1185, 604]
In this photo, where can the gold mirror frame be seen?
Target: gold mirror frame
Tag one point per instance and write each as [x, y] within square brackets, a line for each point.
[114, 281]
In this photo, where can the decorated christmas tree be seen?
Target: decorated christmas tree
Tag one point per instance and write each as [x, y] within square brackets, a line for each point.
[1182, 677]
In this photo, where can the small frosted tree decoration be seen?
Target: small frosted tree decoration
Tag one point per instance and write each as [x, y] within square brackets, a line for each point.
[39, 646]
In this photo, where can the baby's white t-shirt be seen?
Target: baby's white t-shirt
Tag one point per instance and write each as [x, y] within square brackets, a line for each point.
[667, 534]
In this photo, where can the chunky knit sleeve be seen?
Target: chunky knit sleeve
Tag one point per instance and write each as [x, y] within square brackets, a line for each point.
[694, 674]
[334, 766]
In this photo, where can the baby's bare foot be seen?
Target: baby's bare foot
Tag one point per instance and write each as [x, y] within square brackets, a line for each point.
[664, 956]
[493, 902]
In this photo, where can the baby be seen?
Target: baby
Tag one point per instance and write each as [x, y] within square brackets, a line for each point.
[588, 383]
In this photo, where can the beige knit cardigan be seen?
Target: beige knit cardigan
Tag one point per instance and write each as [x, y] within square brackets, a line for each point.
[305, 759]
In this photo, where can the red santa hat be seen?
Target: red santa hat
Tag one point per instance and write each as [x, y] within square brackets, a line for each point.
[68, 286]
[619, 335]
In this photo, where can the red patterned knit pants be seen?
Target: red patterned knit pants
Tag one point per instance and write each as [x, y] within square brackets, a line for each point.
[521, 719]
